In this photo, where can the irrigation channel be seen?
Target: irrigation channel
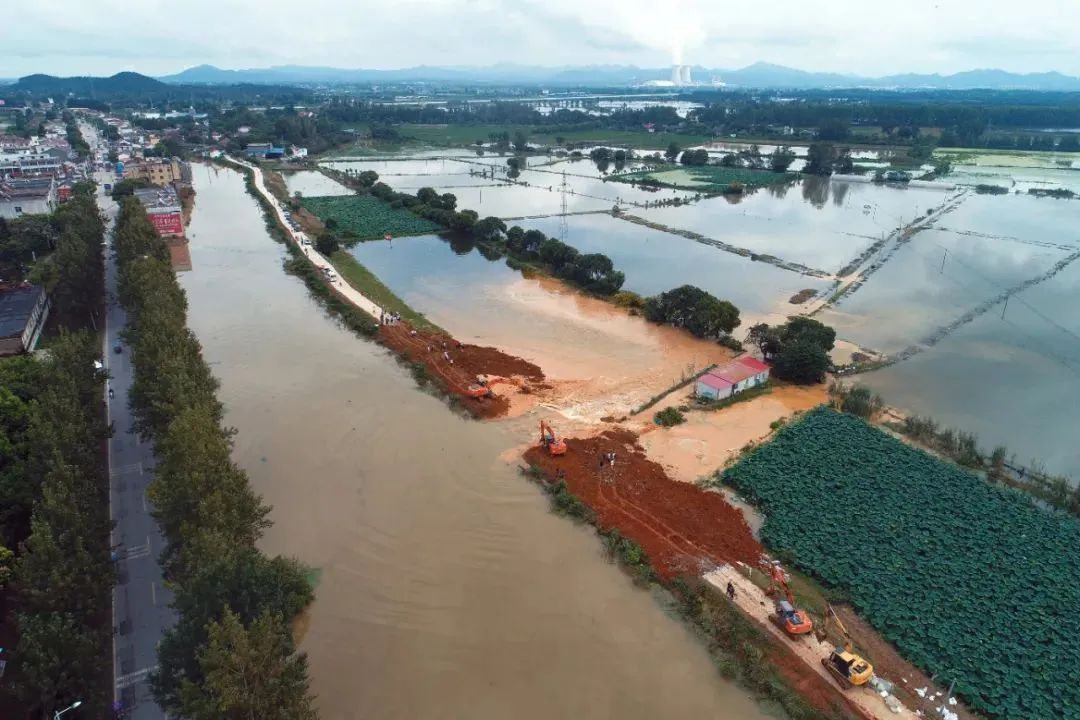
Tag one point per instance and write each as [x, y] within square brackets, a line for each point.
[446, 588]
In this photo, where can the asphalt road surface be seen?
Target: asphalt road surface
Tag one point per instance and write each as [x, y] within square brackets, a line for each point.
[141, 603]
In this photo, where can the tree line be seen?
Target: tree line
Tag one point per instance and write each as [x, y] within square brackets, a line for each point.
[55, 570]
[231, 653]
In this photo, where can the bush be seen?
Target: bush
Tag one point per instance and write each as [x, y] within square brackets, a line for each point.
[669, 417]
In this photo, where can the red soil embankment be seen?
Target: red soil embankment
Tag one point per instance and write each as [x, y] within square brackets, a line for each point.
[684, 530]
[468, 361]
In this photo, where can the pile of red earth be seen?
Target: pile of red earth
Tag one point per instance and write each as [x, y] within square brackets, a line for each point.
[684, 530]
[455, 365]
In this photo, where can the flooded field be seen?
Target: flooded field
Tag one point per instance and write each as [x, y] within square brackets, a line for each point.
[572, 337]
[447, 589]
[655, 261]
[817, 222]
[311, 183]
[1013, 380]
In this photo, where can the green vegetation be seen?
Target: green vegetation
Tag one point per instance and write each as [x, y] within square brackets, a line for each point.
[970, 581]
[366, 282]
[798, 349]
[231, 652]
[563, 502]
[692, 308]
[55, 571]
[592, 272]
[984, 189]
[705, 178]
[669, 417]
[367, 217]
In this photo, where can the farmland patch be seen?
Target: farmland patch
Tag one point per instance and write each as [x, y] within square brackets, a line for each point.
[970, 581]
[368, 217]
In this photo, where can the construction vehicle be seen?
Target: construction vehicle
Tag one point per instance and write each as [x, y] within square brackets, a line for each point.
[849, 669]
[551, 442]
[788, 616]
[482, 387]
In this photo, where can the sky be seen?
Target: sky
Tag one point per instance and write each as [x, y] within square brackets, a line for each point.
[157, 37]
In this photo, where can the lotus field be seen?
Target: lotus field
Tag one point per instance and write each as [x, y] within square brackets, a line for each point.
[368, 217]
[970, 581]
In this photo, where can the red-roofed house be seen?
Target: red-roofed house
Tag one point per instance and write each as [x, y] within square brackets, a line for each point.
[734, 377]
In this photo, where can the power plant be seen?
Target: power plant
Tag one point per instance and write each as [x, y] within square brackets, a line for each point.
[680, 75]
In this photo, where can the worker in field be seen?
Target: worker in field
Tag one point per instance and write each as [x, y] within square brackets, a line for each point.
[731, 591]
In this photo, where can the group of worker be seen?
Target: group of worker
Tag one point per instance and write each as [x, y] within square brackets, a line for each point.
[392, 318]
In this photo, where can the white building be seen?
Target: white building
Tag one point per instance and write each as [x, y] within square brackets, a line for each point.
[30, 196]
[732, 378]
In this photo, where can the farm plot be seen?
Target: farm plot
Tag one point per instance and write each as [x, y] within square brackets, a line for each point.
[707, 178]
[367, 216]
[970, 581]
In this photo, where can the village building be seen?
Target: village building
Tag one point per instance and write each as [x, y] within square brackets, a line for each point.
[27, 196]
[732, 378]
[23, 312]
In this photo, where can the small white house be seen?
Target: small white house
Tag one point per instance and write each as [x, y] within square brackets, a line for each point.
[732, 378]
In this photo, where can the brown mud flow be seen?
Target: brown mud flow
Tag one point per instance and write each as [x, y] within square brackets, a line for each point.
[456, 367]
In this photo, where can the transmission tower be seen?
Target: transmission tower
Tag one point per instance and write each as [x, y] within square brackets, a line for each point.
[563, 229]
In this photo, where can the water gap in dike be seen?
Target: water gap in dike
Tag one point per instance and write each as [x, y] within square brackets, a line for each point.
[446, 587]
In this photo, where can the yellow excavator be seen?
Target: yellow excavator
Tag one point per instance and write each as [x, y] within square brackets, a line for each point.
[849, 669]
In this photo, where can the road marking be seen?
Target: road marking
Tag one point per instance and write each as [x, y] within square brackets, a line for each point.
[144, 508]
[123, 681]
[126, 469]
[153, 594]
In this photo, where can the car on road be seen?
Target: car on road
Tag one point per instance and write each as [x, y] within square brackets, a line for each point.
[117, 349]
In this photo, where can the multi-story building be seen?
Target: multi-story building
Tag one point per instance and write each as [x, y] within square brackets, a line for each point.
[27, 196]
[157, 171]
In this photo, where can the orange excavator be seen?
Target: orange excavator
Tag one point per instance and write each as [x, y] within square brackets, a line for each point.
[482, 387]
[789, 617]
[551, 442]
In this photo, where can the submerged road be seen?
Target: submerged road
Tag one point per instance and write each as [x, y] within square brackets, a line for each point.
[141, 602]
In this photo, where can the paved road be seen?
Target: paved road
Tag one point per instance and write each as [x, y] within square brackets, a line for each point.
[141, 603]
[344, 289]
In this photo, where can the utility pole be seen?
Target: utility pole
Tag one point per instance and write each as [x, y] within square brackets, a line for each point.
[563, 229]
[1005, 306]
[942, 271]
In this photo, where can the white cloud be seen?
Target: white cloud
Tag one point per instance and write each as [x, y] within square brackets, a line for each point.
[155, 36]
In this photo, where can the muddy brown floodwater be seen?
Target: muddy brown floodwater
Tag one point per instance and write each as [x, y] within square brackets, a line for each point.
[447, 589]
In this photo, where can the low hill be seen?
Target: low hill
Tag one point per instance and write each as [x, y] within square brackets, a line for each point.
[123, 83]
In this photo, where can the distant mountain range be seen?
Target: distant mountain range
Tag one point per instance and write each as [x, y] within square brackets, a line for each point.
[758, 75]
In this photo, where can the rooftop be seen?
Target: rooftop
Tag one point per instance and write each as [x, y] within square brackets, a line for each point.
[16, 305]
[158, 197]
[739, 370]
[26, 187]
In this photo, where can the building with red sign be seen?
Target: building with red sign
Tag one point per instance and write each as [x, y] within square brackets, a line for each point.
[163, 208]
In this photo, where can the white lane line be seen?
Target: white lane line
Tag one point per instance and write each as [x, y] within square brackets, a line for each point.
[138, 676]
[144, 508]
[153, 593]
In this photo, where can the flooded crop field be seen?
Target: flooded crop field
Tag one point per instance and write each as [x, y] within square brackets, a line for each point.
[817, 222]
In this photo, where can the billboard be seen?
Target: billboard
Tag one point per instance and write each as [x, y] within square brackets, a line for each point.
[167, 223]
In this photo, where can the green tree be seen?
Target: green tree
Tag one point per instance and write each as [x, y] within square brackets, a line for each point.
[672, 152]
[820, 158]
[249, 672]
[781, 159]
[694, 309]
[521, 141]
[801, 362]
